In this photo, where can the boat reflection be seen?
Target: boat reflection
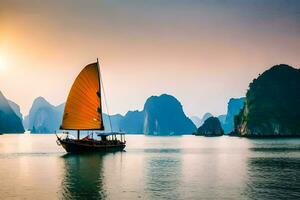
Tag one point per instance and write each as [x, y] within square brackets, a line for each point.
[83, 177]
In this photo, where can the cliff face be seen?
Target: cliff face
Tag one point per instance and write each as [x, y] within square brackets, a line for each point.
[163, 115]
[211, 127]
[115, 122]
[222, 119]
[272, 105]
[16, 108]
[44, 117]
[132, 122]
[233, 108]
[10, 122]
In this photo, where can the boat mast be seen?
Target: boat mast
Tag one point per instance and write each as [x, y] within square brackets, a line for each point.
[101, 83]
[100, 102]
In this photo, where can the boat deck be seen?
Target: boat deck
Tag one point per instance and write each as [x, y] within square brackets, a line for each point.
[77, 146]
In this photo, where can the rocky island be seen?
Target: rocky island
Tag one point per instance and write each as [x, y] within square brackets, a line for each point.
[163, 115]
[10, 122]
[272, 106]
[234, 107]
[211, 127]
[43, 117]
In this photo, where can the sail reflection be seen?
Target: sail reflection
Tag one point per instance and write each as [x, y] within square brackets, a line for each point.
[83, 178]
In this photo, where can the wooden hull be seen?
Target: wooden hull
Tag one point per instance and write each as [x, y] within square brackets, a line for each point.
[79, 146]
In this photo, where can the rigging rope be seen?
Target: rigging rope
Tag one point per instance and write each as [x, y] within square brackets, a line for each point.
[110, 124]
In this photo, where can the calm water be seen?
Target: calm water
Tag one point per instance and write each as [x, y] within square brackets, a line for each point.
[189, 167]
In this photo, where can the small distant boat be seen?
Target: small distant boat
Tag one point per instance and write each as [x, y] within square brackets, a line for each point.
[83, 112]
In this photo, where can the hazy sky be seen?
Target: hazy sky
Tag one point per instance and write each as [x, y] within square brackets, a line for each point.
[203, 52]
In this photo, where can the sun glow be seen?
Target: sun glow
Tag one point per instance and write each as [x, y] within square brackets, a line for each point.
[2, 63]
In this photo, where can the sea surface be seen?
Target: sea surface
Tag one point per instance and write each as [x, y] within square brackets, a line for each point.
[187, 167]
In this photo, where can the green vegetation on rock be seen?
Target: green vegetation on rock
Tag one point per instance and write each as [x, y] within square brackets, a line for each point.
[272, 106]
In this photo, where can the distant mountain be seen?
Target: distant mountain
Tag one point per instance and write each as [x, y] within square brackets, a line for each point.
[115, 122]
[272, 105]
[133, 122]
[16, 108]
[234, 107]
[222, 118]
[10, 122]
[205, 117]
[60, 108]
[43, 117]
[26, 122]
[211, 127]
[163, 115]
[196, 120]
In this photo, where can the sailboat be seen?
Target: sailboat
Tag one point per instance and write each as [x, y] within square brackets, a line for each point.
[83, 112]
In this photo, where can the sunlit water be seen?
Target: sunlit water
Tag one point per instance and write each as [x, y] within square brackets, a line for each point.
[188, 167]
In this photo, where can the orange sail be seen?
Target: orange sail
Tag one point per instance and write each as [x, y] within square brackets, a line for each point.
[83, 106]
